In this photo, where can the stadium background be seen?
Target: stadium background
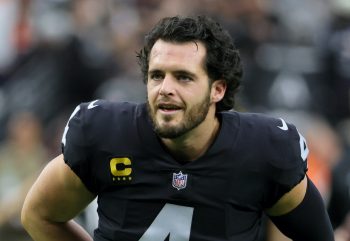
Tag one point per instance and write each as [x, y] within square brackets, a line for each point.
[55, 54]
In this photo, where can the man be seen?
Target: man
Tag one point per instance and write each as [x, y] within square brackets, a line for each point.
[181, 167]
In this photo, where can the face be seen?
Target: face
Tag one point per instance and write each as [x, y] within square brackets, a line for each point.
[178, 90]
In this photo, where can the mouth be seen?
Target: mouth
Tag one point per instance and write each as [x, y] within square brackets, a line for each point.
[168, 108]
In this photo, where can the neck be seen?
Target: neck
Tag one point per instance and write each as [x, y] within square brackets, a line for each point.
[195, 143]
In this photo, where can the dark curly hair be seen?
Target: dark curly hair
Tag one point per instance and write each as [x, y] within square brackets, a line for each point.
[222, 58]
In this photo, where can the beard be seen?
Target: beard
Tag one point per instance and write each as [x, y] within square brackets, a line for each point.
[191, 119]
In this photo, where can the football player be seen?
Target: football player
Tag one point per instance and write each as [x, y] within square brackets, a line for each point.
[182, 166]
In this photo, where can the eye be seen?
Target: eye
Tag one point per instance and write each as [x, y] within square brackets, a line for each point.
[156, 76]
[184, 78]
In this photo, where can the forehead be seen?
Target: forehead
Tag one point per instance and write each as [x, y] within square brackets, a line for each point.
[190, 54]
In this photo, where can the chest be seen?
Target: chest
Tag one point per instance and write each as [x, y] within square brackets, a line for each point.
[208, 197]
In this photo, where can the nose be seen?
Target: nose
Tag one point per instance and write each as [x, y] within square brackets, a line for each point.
[168, 86]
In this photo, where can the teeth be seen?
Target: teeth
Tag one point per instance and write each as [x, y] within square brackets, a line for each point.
[168, 107]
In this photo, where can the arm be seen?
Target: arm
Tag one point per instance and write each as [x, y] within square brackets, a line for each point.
[54, 200]
[301, 215]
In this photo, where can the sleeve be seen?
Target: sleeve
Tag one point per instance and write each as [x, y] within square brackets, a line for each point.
[286, 159]
[308, 221]
[75, 148]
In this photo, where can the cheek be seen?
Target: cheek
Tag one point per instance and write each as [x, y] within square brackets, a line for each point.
[151, 90]
[152, 95]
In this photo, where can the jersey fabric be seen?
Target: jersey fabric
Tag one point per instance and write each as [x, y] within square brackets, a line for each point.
[145, 194]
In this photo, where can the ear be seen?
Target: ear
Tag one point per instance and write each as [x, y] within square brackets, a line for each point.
[218, 90]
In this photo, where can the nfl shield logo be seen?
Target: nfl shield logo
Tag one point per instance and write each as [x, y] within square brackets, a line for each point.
[179, 180]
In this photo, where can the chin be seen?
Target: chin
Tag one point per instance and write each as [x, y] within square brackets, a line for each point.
[168, 131]
[168, 134]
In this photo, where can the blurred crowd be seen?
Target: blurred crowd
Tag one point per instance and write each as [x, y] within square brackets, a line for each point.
[55, 54]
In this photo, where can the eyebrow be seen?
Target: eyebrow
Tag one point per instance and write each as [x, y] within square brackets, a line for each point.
[155, 71]
[184, 72]
[176, 72]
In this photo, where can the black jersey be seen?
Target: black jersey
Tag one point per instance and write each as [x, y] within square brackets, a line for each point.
[145, 194]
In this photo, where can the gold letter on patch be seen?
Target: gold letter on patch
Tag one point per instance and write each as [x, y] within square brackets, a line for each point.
[120, 167]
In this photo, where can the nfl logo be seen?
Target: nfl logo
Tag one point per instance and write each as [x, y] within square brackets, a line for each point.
[179, 180]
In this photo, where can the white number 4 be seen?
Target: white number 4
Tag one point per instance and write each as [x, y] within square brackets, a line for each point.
[67, 127]
[172, 219]
[304, 151]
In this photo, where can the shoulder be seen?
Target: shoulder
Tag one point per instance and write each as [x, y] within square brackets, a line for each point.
[278, 137]
[265, 127]
[104, 113]
[271, 144]
[276, 151]
[94, 119]
[107, 108]
[96, 129]
[266, 124]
